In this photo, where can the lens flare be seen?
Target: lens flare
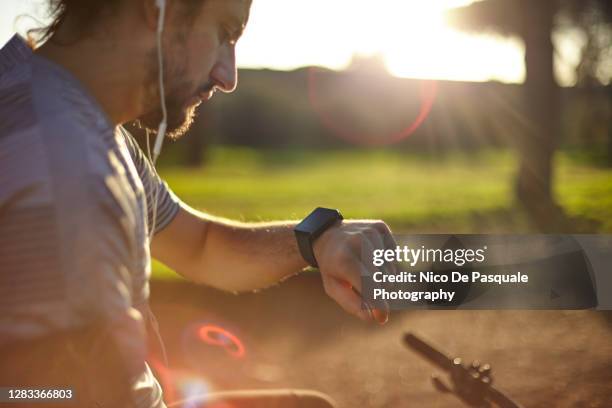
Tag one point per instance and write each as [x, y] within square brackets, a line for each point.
[218, 336]
[334, 122]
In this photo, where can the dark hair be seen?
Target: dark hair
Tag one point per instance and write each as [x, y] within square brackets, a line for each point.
[84, 14]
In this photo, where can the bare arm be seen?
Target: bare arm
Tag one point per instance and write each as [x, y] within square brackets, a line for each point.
[226, 254]
[237, 257]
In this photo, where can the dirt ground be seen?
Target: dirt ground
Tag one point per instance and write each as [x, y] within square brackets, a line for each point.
[294, 336]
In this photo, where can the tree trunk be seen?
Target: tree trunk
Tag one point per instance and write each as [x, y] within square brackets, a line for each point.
[538, 143]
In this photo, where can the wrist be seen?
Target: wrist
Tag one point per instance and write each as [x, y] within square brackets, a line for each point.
[323, 241]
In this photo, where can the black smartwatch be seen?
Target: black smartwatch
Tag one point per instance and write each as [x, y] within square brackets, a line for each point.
[311, 227]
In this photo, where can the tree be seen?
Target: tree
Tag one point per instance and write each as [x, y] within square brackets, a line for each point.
[533, 21]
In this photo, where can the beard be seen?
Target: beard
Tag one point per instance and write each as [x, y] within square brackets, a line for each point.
[179, 120]
[182, 98]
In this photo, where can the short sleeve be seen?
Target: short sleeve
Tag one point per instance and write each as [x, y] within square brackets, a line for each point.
[168, 203]
[72, 245]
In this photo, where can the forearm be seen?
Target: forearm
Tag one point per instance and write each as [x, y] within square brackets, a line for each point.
[226, 254]
[247, 256]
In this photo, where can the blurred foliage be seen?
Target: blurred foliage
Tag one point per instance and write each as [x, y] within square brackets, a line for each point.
[594, 19]
[414, 193]
[534, 22]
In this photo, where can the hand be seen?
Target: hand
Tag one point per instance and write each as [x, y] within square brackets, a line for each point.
[340, 254]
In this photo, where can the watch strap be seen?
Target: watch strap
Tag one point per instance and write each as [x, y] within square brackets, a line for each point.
[311, 228]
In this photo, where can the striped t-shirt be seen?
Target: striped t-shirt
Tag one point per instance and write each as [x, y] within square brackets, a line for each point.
[75, 208]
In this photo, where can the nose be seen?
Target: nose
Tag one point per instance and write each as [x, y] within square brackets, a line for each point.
[224, 73]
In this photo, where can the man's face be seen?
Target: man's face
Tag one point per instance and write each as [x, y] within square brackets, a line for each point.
[199, 58]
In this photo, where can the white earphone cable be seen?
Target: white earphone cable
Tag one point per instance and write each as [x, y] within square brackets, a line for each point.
[154, 187]
[161, 131]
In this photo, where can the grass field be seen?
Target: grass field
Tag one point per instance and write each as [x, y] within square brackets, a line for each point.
[458, 192]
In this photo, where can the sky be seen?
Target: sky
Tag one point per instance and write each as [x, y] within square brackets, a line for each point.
[410, 37]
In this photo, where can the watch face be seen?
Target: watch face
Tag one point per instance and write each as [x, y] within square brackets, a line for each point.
[318, 221]
[312, 227]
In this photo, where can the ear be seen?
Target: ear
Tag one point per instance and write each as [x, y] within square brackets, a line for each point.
[150, 13]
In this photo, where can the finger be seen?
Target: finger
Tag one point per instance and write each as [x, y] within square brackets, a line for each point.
[349, 272]
[377, 241]
[382, 227]
[374, 313]
[347, 298]
[387, 241]
[379, 314]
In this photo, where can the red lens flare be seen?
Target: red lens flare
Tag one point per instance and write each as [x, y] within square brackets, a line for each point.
[428, 93]
[218, 336]
[165, 378]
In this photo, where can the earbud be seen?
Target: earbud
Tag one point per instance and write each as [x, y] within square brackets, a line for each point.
[161, 5]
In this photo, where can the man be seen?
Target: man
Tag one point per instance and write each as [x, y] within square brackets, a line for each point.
[79, 201]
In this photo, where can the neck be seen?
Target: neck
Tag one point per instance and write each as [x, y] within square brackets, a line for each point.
[113, 76]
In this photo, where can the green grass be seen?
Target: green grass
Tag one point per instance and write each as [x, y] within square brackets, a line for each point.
[414, 193]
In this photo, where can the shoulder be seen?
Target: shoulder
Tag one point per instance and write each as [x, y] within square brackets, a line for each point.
[45, 110]
[50, 119]
[62, 106]
[67, 164]
[60, 149]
